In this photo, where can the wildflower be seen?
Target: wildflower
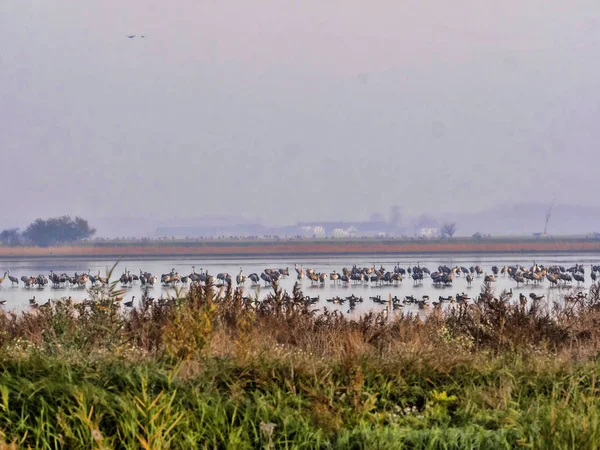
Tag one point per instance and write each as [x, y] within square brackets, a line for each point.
[97, 435]
[267, 428]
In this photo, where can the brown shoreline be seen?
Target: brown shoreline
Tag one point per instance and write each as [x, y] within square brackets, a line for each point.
[297, 248]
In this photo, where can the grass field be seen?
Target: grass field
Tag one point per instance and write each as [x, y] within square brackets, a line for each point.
[216, 370]
[297, 247]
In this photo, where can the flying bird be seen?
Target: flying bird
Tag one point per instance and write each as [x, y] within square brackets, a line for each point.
[131, 36]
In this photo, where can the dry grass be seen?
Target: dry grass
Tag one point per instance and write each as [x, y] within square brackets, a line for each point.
[216, 369]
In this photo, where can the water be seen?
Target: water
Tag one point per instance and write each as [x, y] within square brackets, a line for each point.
[17, 298]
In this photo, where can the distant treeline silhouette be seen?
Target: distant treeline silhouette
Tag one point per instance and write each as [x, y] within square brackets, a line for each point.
[44, 233]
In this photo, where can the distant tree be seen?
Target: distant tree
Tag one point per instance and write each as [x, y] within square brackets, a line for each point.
[448, 229]
[477, 235]
[58, 230]
[10, 236]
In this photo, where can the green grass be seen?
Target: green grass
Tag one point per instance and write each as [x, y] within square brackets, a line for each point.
[215, 370]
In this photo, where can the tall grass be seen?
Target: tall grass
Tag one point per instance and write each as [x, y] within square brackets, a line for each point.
[214, 369]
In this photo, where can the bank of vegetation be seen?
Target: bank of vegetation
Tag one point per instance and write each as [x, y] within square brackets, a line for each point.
[213, 369]
[48, 232]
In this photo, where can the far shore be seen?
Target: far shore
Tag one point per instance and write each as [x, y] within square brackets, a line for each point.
[261, 248]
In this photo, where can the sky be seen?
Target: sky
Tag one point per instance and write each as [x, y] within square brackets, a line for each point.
[295, 111]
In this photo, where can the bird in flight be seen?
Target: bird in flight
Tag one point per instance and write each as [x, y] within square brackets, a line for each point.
[131, 36]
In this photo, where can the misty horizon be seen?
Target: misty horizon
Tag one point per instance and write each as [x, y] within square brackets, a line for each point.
[296, 112]
[502, 220]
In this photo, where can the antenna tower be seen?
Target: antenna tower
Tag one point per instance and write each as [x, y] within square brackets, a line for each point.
[548, 215]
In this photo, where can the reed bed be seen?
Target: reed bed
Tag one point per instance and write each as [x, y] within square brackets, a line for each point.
[213, 369]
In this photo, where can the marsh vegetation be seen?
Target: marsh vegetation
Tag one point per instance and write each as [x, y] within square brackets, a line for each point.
[212, 369]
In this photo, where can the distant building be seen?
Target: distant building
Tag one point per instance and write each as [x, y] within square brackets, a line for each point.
[377, 228]
[343, 233]
[319, 232]
[428, 233]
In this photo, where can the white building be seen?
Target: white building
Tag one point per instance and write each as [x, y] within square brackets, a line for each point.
[429, 233]
[312, 231]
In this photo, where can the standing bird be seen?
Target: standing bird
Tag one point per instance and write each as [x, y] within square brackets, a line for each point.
[299, 271]
[3, 278]
[240, 279]
[102, 280]
[13, 280]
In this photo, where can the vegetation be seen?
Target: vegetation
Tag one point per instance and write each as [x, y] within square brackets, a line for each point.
[449, 229]
[213, 369]
[10, 236]
[44, 233]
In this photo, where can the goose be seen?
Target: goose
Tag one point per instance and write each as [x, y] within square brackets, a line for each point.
[462, 297]
[423, 304]
[47, 304]
[129, 304]
[2, 302]
[3, 278]
[536, 297]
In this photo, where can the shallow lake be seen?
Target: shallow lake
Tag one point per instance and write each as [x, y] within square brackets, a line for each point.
[17, 298]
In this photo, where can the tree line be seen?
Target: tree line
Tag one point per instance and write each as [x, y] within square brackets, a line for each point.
[53, 231]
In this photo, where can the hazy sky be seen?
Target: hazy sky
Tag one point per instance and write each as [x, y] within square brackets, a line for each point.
[295, 110]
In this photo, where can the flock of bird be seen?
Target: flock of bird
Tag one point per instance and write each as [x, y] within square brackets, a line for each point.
[443, 276]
